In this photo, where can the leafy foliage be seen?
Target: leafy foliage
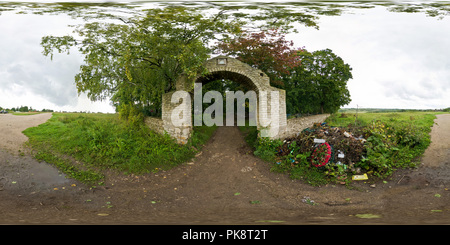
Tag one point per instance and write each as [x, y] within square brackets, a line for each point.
[138, 59]
[101, 141]
[134, 60]
[319, 85]
[314, 82]
[268, 51]
[393, 145]
[394, 141]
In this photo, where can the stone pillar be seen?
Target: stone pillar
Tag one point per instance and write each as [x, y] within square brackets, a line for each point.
[177, 115]
[272, 121]
[282, 114]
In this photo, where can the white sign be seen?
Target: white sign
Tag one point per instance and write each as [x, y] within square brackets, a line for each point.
[320, 141]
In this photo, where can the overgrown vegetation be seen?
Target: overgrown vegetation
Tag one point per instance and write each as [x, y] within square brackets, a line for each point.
[391, 141]
[82, 145]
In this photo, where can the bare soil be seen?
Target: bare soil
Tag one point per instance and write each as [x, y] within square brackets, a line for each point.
[224, 184]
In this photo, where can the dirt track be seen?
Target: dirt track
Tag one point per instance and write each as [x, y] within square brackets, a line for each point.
[225, 184]
[11, 128]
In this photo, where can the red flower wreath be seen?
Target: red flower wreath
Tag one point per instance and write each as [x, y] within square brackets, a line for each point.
[321, 155]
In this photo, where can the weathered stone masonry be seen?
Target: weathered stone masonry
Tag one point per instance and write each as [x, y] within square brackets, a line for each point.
[223, 67]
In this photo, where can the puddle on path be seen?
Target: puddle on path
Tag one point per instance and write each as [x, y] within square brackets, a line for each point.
[27, 174]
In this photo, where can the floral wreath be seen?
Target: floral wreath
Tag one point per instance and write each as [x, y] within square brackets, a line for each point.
[321, 155]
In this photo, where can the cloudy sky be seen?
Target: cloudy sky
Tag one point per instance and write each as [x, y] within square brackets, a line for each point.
[399, 60]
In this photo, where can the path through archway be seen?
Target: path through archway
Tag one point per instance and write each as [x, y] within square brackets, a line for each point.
[270, 101]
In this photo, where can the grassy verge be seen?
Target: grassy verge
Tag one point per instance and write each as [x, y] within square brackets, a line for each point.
[394, 140]
[26, 113]
[82, 145]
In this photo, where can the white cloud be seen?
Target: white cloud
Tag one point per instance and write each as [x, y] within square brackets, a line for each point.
[399, 60]
[29, 78]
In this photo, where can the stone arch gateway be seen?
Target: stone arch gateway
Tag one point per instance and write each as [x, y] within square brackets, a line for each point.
[271, 101]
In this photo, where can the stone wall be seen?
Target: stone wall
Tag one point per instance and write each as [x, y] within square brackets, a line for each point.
[177, 125]
[155, 124]
[236, 71]
[297, 125]
[293, 127]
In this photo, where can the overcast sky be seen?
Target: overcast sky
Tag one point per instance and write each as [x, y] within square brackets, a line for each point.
[399, 60]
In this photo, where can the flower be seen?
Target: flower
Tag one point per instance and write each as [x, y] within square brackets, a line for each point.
[321, 155]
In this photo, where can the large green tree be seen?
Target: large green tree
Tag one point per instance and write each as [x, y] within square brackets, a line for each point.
[135, 60]
[314, 82]
[319, 84]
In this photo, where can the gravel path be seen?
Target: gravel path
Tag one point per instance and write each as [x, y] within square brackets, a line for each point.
[438, 153]
[11, 128]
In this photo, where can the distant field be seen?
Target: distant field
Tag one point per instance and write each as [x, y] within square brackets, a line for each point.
[381, 110]
[419, 118]
[26, 113]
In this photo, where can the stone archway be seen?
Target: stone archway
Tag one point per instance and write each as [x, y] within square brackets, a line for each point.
[179, 102]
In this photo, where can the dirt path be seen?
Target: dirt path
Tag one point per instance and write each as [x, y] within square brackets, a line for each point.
[225, 184]
[438, 154]
[11, 128]
[19, 172]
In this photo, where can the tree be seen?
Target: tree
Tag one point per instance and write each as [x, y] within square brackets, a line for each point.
[135, 60]
[319, 84]
[268, 51]
[23, 109]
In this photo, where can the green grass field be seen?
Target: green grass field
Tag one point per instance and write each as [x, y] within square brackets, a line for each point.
[82, 145]
[417, 118]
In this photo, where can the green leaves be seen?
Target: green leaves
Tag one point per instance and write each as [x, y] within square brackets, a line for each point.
[368, 216]
[319, 85]
[139, 58]
[61, 44]
[266, 50]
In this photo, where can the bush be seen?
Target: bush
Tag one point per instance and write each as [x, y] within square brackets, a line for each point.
[133, 114]
[393, 145]
[266, 148]
[393, 141]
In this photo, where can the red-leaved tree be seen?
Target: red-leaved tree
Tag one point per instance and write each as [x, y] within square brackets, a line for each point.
[268, 51]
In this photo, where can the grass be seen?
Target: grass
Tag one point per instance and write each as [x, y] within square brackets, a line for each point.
[394, 140]
[26, 113]
[420, 119]
[83, 145]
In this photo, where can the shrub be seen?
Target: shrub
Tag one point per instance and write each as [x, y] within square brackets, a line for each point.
[393, 141]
